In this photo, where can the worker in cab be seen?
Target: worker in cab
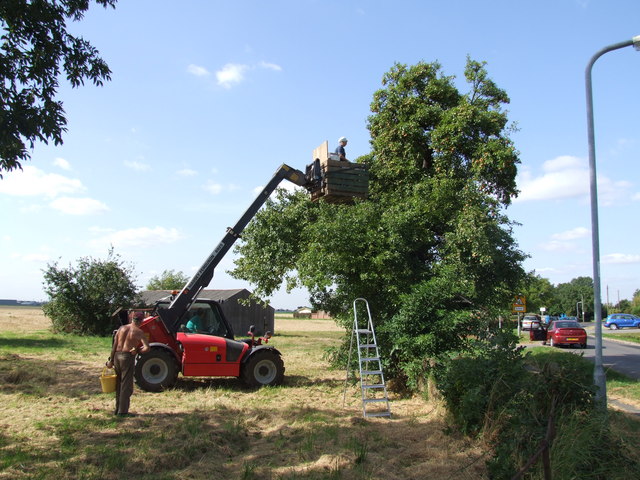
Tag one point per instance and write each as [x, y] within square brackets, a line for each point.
[195, 323]
[342, 142]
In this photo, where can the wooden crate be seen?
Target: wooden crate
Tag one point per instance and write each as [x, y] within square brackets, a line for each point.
[341, 181]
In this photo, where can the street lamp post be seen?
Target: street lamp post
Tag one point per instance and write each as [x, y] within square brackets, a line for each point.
[599, 378]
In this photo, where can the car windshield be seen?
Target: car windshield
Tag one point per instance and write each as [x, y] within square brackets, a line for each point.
[567, 325]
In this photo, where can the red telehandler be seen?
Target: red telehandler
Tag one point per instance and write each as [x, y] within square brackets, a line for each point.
[212, 351]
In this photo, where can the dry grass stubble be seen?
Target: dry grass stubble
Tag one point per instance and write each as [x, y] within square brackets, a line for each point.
[218, 428]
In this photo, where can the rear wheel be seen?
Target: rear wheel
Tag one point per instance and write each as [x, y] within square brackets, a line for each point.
[156, 370]
[264, 367]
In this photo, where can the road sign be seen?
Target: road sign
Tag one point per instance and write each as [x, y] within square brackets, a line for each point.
[519, 304]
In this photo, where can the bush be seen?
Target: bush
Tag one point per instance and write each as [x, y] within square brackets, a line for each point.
[83, 298]
[507, 398]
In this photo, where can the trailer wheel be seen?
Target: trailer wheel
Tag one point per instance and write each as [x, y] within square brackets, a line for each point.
[156, 370]
[264, 367]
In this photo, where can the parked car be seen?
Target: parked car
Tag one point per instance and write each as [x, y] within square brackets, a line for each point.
[622, 320]
[547, 319]
[528, 320]
[566, 332]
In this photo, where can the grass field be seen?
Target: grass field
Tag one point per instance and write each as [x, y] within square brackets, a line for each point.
[56, 423]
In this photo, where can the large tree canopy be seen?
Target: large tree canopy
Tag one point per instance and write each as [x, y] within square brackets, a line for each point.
[431, 248]
[35, 48]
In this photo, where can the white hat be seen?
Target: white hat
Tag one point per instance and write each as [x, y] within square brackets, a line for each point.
[342, 139]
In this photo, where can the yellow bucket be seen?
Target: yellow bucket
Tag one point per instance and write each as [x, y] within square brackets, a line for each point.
[108, 380]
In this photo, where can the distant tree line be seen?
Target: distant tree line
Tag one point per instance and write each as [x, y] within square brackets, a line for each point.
[570, 298]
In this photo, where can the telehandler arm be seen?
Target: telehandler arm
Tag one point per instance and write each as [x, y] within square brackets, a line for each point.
[171, 315]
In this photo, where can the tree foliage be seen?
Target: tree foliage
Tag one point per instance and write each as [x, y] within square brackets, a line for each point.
[35, 49]
[82, 298]
[539, 292]
[430, 249]
[168, 280]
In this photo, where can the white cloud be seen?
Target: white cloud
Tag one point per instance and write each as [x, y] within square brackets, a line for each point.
[568, 177]
[62, 163]
[143, 237]
[138, 166]
[78, 206]
[36, 257]
[556, 246]
[270, 66]
[213, 188]
[564, 177]
[32, 181]
[230, 74]
[198, 71]
[620, 258]
[186, 172]
[573, 234]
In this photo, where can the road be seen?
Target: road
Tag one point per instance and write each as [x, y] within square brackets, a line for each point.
[623, 357]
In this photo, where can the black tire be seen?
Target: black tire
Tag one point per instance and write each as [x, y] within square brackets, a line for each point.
[156, 370]
[264, 367]
[613, 326]
[584, 345]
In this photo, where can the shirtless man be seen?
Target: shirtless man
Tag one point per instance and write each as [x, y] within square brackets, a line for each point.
[126, 345]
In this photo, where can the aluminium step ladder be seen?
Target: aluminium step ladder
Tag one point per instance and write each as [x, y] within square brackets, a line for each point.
[375, 401]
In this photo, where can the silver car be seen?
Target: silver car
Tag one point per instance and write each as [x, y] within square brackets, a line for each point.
[528, 320]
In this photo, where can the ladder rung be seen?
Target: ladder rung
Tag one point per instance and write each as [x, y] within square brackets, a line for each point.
[378, 414]
[380, 385]
[373, 400]
[370, 359]
[371, 372]
[369, 345]
[363, 331]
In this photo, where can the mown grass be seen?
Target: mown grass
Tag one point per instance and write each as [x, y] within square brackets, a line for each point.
[56, 423]
[629, 337]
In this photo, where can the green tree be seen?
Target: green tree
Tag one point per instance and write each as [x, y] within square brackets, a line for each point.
[82, 298]
[579, 289]
[168, 280]
[35, 48]
[539, 292]
[431, 248]
[635, 303]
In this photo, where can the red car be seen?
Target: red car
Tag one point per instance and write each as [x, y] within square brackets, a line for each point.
[566, 332]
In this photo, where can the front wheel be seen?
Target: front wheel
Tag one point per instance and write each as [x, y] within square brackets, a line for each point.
[613, 326]
[264, 367]
[156, 370]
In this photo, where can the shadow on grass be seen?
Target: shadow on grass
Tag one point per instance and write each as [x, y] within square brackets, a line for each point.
[308, 443]
[34, 343]
[33, 376]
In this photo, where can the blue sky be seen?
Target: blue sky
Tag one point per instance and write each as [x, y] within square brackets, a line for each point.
[209, 97]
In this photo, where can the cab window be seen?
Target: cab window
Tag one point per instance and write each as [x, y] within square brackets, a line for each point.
[201, 318]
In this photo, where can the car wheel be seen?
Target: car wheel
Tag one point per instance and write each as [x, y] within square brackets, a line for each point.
[156, 370]
[613, 326]
[263, 368]
[584, 345]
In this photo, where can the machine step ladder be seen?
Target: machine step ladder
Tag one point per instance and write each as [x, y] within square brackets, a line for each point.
[375, 401]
